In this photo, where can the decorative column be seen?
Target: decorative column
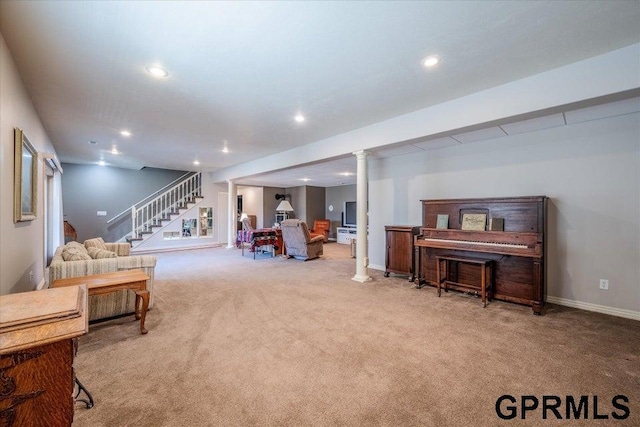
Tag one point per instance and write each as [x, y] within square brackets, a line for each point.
[362, 257]
[233, 220]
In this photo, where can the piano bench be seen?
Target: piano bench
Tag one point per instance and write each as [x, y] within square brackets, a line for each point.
[486, 275]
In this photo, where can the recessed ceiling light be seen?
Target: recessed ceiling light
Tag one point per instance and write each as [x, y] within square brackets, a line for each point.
[430, 61]
[305, 179]
[125, 133]
[195, 162]
[157, 71]
[101, 163]
[114, 150]
[346, 173]
[299, 118]
[225, 150]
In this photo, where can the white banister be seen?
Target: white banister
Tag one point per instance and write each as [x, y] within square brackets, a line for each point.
[133, 222]
[170, 201]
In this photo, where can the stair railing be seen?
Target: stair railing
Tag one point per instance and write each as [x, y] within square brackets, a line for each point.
[153, 195]
[176, 197]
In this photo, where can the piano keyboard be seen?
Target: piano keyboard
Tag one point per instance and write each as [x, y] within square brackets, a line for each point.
[474, 242]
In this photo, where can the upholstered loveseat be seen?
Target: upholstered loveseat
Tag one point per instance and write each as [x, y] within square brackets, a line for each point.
[96, 257]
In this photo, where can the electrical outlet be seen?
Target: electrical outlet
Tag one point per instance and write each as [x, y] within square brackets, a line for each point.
[31, 277]
[604, 284]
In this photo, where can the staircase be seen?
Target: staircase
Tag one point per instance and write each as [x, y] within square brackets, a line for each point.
[156, 211]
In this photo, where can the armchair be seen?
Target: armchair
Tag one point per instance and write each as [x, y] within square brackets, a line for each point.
[321, 227]
[298, 240]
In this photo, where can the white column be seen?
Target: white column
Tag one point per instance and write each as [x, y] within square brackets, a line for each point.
[233, 221]
[362, 257]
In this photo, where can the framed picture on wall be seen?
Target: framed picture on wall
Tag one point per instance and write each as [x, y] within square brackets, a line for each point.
[25, 178]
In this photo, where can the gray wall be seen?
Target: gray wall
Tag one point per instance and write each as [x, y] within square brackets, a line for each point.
[336, 196]
[298, 201]
[590, 171]
[270, 204]
[315, 204]
[21, 244]
[87, 189]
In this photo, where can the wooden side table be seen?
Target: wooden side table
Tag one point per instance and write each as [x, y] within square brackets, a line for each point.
[101, 284]
[400, 258]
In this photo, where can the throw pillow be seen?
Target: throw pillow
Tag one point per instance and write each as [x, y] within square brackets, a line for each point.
[71, 255]
[97, 253]
[77, 248]
[95, 243]
[75, 245]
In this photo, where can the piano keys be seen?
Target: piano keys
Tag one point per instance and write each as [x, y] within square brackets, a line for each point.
[518, 252]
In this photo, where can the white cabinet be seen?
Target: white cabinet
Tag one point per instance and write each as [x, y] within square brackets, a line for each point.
[345, 235]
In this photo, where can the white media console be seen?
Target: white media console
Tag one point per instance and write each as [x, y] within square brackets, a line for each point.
[345, 234]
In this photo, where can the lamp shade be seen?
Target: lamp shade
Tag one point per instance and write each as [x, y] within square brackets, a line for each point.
[284, 206]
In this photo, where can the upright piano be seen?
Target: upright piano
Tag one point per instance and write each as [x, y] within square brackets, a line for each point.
[518, 250]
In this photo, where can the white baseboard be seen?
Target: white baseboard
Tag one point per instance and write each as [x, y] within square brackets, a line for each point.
[41, 284]
[620, 312]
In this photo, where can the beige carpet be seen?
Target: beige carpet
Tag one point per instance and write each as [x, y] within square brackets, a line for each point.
[234, 341]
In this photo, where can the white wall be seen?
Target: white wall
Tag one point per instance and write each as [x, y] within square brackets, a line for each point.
[590, 171]
[21, 244]
[253, 203]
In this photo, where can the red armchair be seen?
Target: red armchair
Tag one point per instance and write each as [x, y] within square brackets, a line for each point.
[321, 227]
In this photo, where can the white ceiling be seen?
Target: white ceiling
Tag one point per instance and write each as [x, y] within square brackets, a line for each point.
[342, 171]
[240, 71]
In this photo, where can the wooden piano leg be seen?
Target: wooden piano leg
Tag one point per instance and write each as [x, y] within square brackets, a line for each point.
[483, 285]
[490, 283]
[537, 288]
[418, 267]
[438, 276]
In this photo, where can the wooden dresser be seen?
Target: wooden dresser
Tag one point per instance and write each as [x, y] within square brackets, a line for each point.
[37, 334]
[399, 257]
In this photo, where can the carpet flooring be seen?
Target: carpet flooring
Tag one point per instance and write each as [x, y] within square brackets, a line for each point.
[235, 341]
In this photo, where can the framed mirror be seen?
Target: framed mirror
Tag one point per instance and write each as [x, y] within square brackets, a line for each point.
[25, 178]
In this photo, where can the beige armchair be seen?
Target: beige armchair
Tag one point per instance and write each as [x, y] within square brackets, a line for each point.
[298, 241]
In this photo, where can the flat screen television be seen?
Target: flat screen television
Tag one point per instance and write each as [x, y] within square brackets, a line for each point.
[350, 214]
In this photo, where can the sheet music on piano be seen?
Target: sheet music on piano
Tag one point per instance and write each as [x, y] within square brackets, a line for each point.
[518, 251]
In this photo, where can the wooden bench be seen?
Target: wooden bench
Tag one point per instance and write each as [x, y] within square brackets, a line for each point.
[101, 284]
[486, 275]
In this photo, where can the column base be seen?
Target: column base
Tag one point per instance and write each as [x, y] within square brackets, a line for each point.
[231, 246]
[361, 279]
